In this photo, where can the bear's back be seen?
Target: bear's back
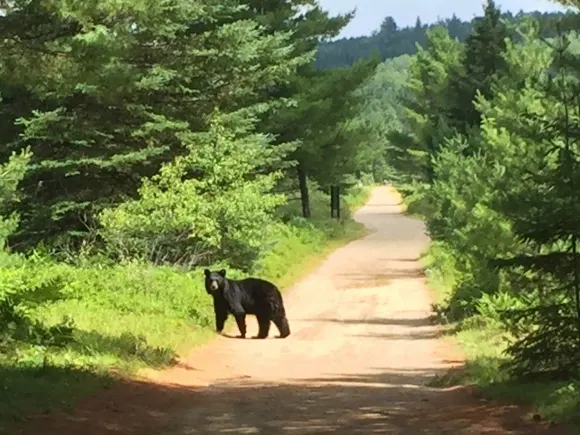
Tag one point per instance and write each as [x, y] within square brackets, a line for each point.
[254, 293]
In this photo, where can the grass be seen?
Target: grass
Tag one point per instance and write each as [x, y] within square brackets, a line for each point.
[83, 323]
[483, 345]
[114, 318]
[482, 342]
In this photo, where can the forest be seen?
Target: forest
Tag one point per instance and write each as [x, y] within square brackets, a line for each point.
[482, 139]
[391, 40]
[143, 141]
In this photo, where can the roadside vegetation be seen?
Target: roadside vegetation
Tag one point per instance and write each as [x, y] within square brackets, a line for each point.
[141, 142]
[481, 138]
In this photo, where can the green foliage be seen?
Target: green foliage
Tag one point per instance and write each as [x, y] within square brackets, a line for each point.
[482, 62]
[109, 97]
[15, 284]
[329, 102]
[220, 214]
[381, 114]
[128, 315]
[494, 306]
[391, 41]
[11, 174]
[486, 152]
[414, 147]
[330, 140]
[484, 346]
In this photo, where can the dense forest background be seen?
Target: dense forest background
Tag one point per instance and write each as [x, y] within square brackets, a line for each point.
[391, 40]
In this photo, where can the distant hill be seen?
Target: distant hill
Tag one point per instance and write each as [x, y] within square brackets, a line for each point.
[391, 41]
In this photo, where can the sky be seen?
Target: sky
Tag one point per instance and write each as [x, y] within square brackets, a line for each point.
[370, 13]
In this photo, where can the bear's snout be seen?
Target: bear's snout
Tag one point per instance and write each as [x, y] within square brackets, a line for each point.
[214, 285]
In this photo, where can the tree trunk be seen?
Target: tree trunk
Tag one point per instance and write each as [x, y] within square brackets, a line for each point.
[304, 196]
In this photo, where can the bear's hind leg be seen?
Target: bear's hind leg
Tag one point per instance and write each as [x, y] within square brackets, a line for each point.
[281, 323]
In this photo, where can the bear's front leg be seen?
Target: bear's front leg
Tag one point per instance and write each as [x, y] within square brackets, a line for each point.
[221, 314]
[220, 320]
[241, 321]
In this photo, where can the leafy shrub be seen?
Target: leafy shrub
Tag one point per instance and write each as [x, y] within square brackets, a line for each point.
[219, 214]
[494, 306]
[11, 174]
[15, 282]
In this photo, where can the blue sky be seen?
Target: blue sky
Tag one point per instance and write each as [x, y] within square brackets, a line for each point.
[370, 13]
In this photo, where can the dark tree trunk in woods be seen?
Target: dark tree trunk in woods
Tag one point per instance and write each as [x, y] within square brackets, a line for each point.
[304, 196]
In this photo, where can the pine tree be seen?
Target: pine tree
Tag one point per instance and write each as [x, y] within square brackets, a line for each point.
[387, 37]
[482, 62]
[543, 208]
[318, 112]
[328, 106]
[101, 93]
[427, 108]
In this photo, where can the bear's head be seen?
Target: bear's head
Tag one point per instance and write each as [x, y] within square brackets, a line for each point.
[214, 281]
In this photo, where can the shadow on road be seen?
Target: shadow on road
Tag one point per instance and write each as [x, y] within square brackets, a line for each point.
[354, 281]
[416, 335]
[387, 402]
[411, 322]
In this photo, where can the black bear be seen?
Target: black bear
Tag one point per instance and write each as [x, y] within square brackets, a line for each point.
[246, 296]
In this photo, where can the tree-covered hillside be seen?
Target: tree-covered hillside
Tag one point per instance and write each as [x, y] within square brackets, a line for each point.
[390, 40]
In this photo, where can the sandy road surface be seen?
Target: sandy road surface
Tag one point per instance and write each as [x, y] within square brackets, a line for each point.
[360, 355]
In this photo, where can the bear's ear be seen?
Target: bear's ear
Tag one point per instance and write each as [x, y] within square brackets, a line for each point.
[222, 272]
[206, 272]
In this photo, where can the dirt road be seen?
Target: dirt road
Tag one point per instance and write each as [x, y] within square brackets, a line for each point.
[360, 355]
[361, 352]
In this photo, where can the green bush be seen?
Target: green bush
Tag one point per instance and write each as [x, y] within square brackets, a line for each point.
[484, 343]
[491, 164]
[220, 214]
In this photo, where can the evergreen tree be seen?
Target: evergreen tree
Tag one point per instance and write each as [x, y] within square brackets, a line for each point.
[543, 208]
[112, 87]
[326, 150]
[414, 149]
[347, 51]
[482, 62]
[321, 111]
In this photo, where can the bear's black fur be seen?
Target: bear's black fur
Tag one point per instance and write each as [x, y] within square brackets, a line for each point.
[246, 296]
